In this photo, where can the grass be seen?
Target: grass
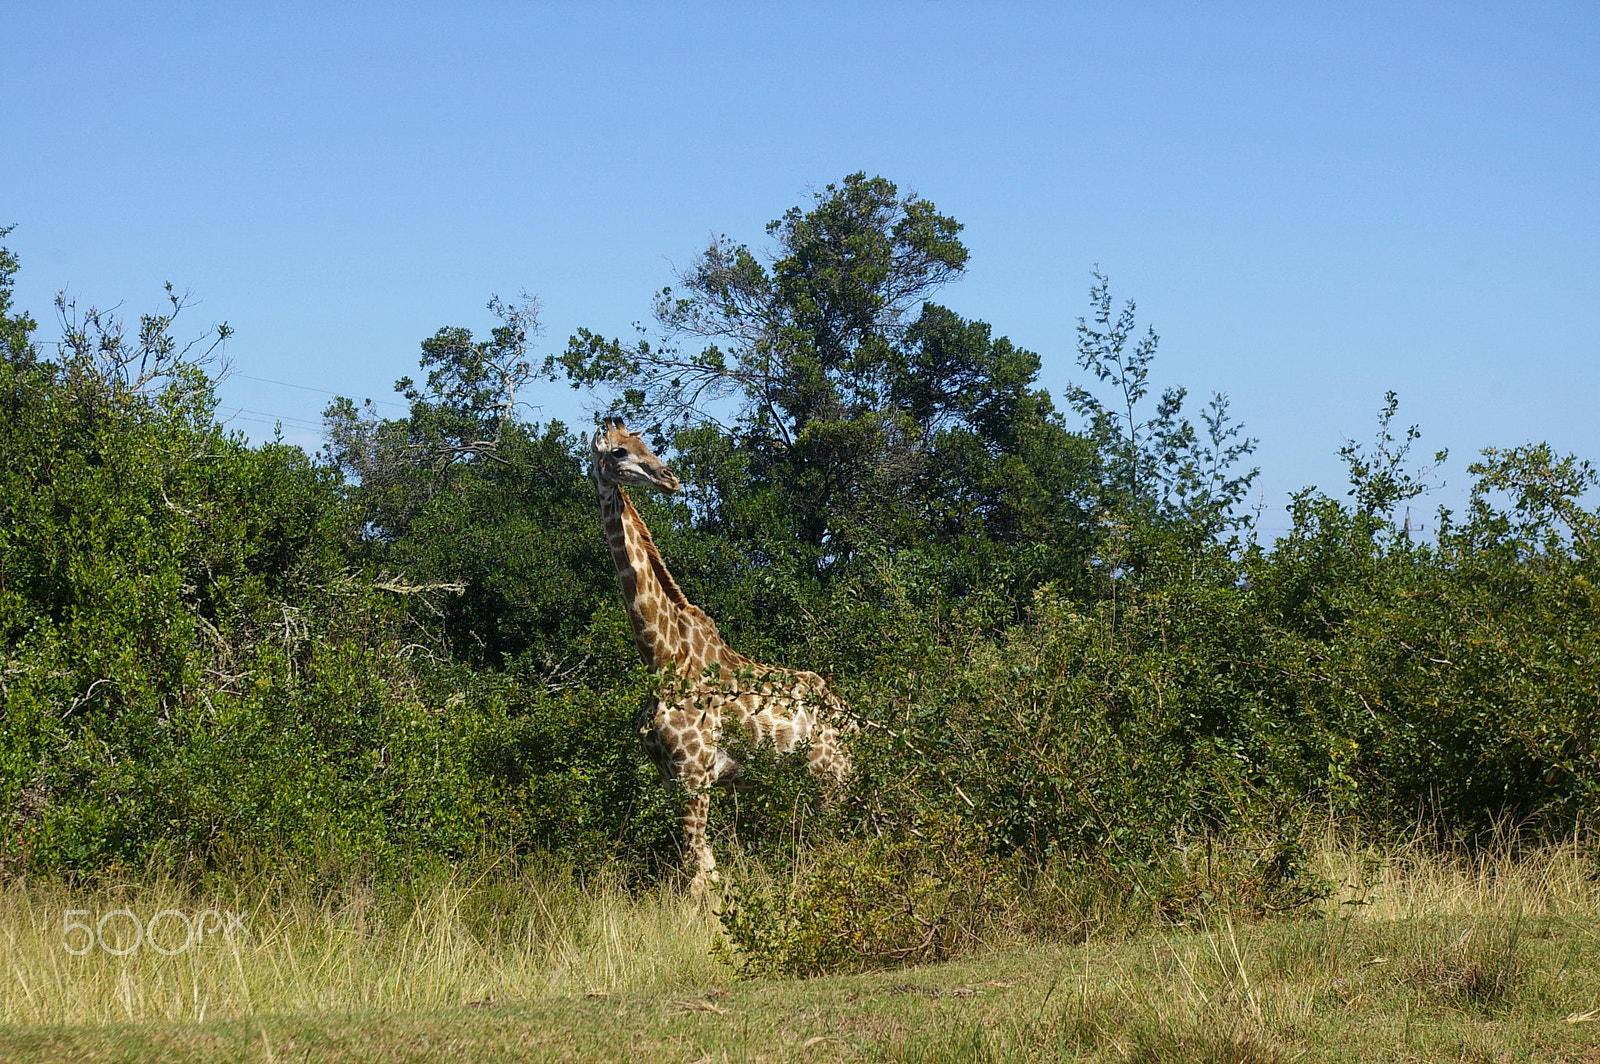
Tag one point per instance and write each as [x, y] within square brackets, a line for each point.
[1420, 956]
[447, 943]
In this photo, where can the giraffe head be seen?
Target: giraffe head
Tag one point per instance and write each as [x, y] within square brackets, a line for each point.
[620, 459]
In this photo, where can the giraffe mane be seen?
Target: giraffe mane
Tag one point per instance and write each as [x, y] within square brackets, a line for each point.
[657, 565]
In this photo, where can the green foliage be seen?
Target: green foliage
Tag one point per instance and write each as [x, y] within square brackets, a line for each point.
[1546, 520]
[1448, 681]
[824, 412]
[1380, 481]
[875, 903]
[464, 497]
[195, 670]
[16, 329]
[1154, 468]
[1069, 658]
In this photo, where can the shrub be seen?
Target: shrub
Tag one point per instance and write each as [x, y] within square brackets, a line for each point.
[872, 903]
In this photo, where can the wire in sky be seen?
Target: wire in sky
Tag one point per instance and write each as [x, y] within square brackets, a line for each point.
[308, 388]
[276, 423]
[298, 421]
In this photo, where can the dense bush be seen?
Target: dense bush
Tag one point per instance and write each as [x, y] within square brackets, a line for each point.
[1066, 652]
[198, 669]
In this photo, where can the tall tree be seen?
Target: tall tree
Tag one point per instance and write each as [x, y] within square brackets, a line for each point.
[818, 397]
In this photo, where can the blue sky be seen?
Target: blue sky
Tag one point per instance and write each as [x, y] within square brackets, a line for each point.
[1313, 204]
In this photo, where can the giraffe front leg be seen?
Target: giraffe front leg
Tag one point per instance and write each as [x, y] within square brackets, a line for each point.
[696, 847]
[686, 730]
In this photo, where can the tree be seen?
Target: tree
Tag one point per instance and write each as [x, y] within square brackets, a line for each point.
[16, 329]
[1156, 467]
[802, 339]
[1379, 478]
[824, 407]
[1546, 492]
[470, 401]
[465, 496]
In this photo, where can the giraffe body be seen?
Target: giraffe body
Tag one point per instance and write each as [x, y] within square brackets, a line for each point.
[706, 686]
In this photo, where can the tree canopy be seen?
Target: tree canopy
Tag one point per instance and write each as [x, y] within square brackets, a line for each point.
[825, 406]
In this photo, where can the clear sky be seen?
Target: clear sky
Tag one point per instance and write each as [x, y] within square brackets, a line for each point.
[1312, 203]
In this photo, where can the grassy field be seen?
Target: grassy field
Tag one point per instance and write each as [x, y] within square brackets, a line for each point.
[1419, 957]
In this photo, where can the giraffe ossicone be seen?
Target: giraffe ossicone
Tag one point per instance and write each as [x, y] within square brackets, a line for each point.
[706, 686]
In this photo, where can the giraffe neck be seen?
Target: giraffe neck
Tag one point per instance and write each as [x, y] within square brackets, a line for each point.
[667, 628]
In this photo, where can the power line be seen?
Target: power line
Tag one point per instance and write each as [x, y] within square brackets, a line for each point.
[308, 388]
[299, 421]
[277, 423]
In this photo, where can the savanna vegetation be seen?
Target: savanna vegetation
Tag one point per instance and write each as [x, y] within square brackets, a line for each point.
[1089, 695]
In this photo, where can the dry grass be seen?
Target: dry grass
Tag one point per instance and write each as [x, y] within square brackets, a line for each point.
[454, 943]
[1417, 879]
[1491, 955]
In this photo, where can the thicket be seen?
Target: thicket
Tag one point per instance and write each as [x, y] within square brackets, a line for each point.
[1068, 649]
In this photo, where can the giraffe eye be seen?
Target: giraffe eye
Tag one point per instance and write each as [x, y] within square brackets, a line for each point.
[619, 452]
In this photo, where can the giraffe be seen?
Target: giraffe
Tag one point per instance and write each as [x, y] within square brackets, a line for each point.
[706, 683]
